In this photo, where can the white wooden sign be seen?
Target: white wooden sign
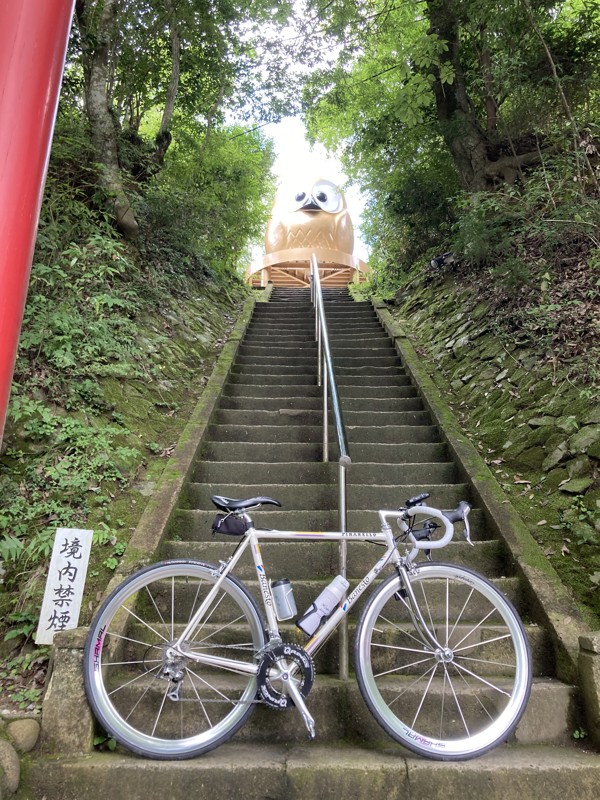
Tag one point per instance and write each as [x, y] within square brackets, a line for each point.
[65, 582]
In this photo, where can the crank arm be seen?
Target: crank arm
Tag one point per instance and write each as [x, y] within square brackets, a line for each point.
[296, 696]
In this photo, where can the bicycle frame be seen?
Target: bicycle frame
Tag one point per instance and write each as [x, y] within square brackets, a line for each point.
[252, 539]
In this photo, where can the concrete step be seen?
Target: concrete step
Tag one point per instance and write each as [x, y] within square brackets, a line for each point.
[318, 496]
[367, 370]
[370, 358]
[270, 336]
[292, 348]
[313, 770]
[365, 349]
[349, 329]
[373, 382]
[341, 714]
[302, 326]
[271, 308]
[291, 416]
[275, 371]
[370, 393]
[388, 434]
[251, 378]
[268, 403]
[307, 349]
[256, 390]
[396, 378]
[215, 472]
[274, 359]
[278, 452]
[315, 403]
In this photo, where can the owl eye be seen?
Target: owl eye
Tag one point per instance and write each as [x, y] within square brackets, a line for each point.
[328, 197]
[298, 200]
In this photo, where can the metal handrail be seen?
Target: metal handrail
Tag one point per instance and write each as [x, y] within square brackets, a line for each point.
[326, 379]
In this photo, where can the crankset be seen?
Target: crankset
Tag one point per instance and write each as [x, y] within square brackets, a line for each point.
[278, 666]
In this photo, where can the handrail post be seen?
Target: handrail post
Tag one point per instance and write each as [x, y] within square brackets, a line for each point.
[319, 353]
[343, 556]
[325, 422]
[326, 378]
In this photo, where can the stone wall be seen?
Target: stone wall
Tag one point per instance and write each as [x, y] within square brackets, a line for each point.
[18, 735]
[537, 429]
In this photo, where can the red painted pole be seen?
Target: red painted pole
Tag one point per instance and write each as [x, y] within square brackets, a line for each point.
[33, 43]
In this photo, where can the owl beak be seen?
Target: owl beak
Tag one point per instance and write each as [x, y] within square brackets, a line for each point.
[310, 204]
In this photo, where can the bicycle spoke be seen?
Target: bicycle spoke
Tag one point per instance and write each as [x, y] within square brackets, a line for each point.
[194, 601]
[488, 661]
[480, 644]
[480, 679]
[413, 683]
[139, 619]
[426, 603]
[133, 680]
[162, 705]
[205, 621]
[403, 666]
[475, 627]
[398, 647]
[402, 630]
[215, 633]
[442, 703]
[457, 702]
[204, 711]
[433, 671]
[152, 600]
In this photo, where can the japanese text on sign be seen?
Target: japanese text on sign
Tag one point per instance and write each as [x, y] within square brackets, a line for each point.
[65, 582]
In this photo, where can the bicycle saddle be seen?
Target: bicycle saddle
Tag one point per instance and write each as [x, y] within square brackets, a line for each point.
[228, 504]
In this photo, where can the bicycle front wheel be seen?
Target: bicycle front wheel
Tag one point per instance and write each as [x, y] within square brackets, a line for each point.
[156, 704]
[457, 700]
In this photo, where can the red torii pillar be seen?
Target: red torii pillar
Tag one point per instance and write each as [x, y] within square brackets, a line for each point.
[33, 44]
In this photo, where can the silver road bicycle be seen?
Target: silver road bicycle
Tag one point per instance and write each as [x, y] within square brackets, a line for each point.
[180, 653]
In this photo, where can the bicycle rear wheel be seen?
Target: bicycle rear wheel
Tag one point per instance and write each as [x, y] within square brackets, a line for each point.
[461, 699]
[162, 707]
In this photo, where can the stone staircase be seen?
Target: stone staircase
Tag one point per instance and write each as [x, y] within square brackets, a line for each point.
[266, 438]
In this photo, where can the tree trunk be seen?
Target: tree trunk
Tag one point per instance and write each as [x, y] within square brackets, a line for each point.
[96, 23]
[460, 128]
[163, 138]
[491, 109]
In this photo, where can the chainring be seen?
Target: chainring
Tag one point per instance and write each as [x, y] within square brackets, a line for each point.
[275, 662]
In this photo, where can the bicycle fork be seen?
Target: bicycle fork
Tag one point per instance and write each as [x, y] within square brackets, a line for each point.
[407, 596]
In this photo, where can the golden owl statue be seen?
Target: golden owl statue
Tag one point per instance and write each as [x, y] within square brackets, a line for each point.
[307, 219]
[314, 217]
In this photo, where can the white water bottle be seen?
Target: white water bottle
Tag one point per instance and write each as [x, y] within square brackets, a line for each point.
[323, 605]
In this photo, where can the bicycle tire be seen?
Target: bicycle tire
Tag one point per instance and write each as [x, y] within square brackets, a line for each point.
[461, 700]
[124, 661]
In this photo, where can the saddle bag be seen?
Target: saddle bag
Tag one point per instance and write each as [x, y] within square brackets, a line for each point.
[229, 524]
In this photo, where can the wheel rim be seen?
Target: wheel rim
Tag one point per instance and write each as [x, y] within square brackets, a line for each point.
[457, 700]
[160, 705]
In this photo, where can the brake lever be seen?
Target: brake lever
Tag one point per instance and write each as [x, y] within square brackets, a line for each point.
[467, 530]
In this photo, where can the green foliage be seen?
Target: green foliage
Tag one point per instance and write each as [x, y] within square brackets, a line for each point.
[407, 108]
[98, 315]
[105, 742]
[212, 198]
[22, 678]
